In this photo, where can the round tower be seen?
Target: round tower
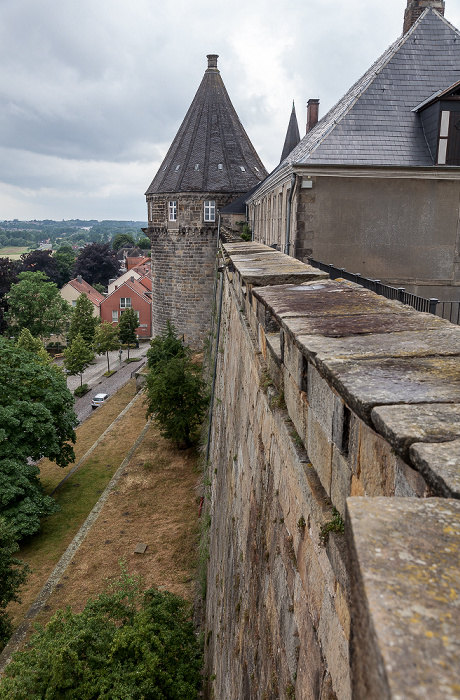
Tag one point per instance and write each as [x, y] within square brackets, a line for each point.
[210, 163]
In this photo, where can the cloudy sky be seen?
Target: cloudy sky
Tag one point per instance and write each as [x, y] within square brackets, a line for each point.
[92, 92]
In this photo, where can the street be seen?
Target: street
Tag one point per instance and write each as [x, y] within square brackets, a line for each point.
[94, 377]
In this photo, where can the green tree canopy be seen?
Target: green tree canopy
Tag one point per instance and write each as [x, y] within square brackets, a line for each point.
[35, 303]
[78, 357]
[125, 644]
[36, 420]
[26, 341]
[83, 322]
[8, 275]
[175, 391]
[127, 326]
[165, 346]
[97, 263]
[65, 261]
[122, 240]
[105, 340]
[144, 243]
[13, 574]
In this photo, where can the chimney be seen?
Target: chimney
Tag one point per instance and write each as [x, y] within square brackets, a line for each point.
[79, 279]
[132, 278]
[312, 114]
[212, 61]
[415, 8]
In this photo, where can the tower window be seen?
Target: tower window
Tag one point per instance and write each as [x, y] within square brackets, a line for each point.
[210, 210]
[172, 208]
[220, 166]
[242, 168]
[197, 167]
[177, 168]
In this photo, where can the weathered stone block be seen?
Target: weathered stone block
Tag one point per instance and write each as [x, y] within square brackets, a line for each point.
[340, 480]
[319, 450]
[335, 648]
[404, 556]
[439, 464]
[376, 464]
[408, 482]
[296, 404]
[321, 400]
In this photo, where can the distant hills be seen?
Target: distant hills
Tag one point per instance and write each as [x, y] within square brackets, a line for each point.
[30, 234]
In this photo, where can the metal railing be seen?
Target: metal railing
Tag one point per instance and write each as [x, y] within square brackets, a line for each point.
[449, 310]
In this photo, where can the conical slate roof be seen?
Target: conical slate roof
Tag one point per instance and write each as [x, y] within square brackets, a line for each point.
[211, 151]
[292, 135]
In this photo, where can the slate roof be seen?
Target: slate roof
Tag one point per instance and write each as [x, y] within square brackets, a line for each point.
[210, 136]
[373, 124]
[238, 206]
[292, 135]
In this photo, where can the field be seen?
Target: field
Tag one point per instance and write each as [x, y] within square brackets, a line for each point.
[12, 252]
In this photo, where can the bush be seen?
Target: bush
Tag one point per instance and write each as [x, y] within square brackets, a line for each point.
[125, 644]
[81, 390]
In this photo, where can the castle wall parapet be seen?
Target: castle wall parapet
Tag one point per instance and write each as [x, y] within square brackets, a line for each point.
[337, 409]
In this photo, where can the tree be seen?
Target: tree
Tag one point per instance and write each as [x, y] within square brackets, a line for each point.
[8, 275]
[26, 341]
[83, 321]
[165, 346]
[65, 261]
[105, 340]
[122, 240]
[175, 391]
[125, 644]
[42, 261]
[144, 243]
[13, 574]
[97, 263]
[127, 326]
[78, 357]
[36, 420]
[35, 303]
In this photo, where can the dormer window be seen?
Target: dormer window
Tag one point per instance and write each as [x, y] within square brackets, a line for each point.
[443, 137]
[210, 210]
[177, 168]
[197, 167]
[440, 117]
[242, 168]
[220, 166]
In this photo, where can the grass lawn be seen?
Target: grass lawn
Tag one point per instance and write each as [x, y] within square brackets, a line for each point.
[154, 502]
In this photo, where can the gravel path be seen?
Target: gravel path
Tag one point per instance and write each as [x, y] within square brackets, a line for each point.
[94, 377]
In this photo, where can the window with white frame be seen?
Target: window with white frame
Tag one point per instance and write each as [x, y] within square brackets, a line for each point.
[172, 208]
[114, 316]
[125, 302]
[210, 210]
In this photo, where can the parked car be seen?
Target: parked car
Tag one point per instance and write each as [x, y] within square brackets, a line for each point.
[98, 399]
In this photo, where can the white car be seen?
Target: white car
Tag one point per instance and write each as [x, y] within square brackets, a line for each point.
[98, 400]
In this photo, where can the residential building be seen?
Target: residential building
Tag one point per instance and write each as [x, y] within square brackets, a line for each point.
[72, 290]
[131, 294]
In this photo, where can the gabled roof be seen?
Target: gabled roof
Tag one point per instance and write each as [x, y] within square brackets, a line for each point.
[238, 206]
[134, 286]
[211, 151]
[84, 288]
[292, 135]
[374, 123]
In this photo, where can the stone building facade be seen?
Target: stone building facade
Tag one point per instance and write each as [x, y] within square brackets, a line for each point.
[374, 186]
[210, 163]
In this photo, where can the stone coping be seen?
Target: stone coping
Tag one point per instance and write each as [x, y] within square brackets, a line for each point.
[405, 597]
[380, 356]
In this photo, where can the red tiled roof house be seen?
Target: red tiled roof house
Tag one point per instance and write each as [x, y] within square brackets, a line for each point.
[72, 290]
[131, 294]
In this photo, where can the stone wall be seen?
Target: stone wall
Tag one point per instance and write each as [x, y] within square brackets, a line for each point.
[335, 410]
[183, 268]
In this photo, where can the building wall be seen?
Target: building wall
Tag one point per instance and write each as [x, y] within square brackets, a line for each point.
[400, 230]
[183, 262]
[308, 413]
[71, 295]
[112, 303]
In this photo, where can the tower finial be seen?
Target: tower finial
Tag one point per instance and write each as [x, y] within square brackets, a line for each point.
[212, 61]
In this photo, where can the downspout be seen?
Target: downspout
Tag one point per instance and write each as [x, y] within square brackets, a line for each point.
[289, 209]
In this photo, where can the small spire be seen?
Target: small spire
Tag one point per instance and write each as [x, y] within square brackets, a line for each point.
[292, 136]
[212, 61]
